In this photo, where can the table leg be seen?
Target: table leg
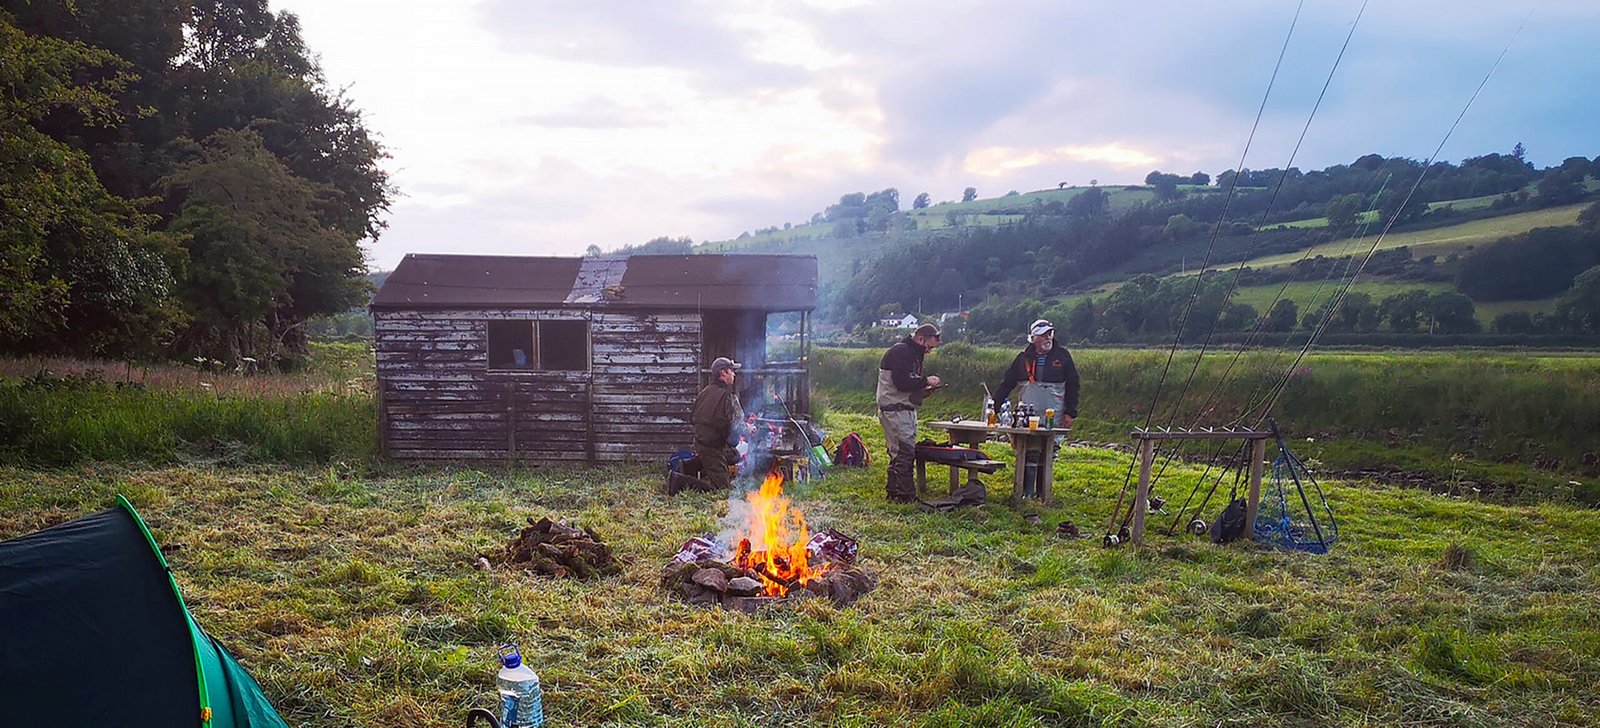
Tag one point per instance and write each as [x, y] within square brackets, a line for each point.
[922, 475]
[955, 478]
[1019, 448]
[1047, 471]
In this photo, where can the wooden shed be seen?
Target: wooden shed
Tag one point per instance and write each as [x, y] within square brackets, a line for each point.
[586, 359]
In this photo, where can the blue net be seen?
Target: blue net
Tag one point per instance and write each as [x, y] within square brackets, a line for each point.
[1294, 513]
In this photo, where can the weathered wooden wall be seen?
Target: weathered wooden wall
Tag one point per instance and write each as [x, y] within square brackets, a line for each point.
[437, 398]
[646, 376]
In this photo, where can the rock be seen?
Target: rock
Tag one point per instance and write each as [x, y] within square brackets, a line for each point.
[482, 564]
[712, 579]
[744, 586]
[697, 595]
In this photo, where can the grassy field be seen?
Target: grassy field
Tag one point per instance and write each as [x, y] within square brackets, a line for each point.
[352, 598]
[1440, 241]
[347, 585]
[1522, 422]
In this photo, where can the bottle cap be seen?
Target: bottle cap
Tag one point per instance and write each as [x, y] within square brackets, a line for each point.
[509, 657]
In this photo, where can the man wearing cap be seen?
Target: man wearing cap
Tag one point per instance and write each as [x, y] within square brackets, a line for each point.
[718, 419]
[901, 388]
[1043, 375]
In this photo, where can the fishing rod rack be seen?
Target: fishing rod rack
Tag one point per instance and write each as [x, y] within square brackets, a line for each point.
[1147, 439]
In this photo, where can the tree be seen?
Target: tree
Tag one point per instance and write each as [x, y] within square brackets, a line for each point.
[1167, 189]
[1237, 317]
[969, 194]
[1393, 206]
[921, 202]
[1092, 202]
[1200, 179]
[592, 251]
[1404, 310]
[1128, 307]
[1513, 322]
[1342, 210]
[261, 260]
[1451, 313]
[1579, 307]
[1179, 227]
[1519, 151]
[1082, 320]
[80, 269]
[1282, 316]
[1561, 186]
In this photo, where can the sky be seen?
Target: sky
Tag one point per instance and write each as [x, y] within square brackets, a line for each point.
[540, 127]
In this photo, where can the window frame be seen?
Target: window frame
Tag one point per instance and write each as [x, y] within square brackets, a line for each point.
[537, 345]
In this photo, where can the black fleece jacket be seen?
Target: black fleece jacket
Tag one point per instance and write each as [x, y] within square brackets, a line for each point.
[1058, 367]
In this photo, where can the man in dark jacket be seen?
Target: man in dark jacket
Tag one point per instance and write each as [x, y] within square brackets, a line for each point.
[1043, 375]
[718, 420]
[901, 388]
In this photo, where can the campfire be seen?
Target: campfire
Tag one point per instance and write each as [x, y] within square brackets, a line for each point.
[776, 558]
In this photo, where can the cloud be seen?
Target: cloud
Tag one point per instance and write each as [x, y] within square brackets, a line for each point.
[715, 46]
[1001, 161]
[593, 113]
[555, 125]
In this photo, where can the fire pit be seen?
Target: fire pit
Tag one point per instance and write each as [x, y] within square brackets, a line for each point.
[774, 559]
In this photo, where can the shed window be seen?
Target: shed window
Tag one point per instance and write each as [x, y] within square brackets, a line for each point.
[538, 345]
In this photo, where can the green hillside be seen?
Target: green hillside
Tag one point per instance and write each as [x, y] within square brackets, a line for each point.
[1467, 243]
[1442, 241]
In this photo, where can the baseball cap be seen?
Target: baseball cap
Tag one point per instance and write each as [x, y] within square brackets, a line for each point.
[722, 362]
[1040, 328]
[927, 330]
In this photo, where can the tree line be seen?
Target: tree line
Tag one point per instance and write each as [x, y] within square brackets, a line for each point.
[177, 179]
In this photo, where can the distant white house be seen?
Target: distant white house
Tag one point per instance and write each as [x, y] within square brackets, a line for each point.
[947, 315]
[905, 322]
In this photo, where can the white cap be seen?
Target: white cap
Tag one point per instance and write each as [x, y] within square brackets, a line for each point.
[1040, 328]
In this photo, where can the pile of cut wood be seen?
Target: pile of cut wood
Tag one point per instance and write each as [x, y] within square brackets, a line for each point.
[553, 548]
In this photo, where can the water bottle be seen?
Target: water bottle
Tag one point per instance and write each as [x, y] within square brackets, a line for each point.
[521, 700]
[1005, 414]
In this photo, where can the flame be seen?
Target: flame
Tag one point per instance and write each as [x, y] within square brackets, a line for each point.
[772, 545]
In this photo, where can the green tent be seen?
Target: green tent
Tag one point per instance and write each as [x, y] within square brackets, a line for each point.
[93, 631]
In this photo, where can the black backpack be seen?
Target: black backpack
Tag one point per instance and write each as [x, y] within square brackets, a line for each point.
[1230, 524]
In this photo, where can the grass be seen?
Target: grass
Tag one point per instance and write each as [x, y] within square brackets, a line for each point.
[1523, 422]
[351, 596]
[60, 412]
[346, 585]
[1439, 241]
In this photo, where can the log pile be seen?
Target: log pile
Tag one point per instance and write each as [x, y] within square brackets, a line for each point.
[555, 549]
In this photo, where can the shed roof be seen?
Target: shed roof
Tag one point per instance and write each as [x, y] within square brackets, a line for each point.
[688, 282]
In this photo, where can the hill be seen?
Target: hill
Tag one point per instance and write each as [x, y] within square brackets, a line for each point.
[1023, 254]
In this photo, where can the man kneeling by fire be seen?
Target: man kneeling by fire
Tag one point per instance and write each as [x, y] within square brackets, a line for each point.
[718, 421]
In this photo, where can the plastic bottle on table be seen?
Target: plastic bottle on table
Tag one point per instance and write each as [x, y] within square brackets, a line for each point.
[521, 699]
[1005, 415]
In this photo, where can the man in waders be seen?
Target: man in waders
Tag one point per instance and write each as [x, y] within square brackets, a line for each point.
[901, 388]
[718, 419]
[1044, 376]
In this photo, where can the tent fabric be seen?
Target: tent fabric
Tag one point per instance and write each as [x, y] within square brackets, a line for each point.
[93, 631]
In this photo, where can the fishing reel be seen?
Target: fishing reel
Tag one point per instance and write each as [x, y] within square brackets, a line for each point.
[1113, 540]
[1157, 503]
[1197, 527]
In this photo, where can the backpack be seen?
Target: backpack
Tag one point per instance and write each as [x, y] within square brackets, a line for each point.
[1229, 525]
[852, 452]
[677, 462]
